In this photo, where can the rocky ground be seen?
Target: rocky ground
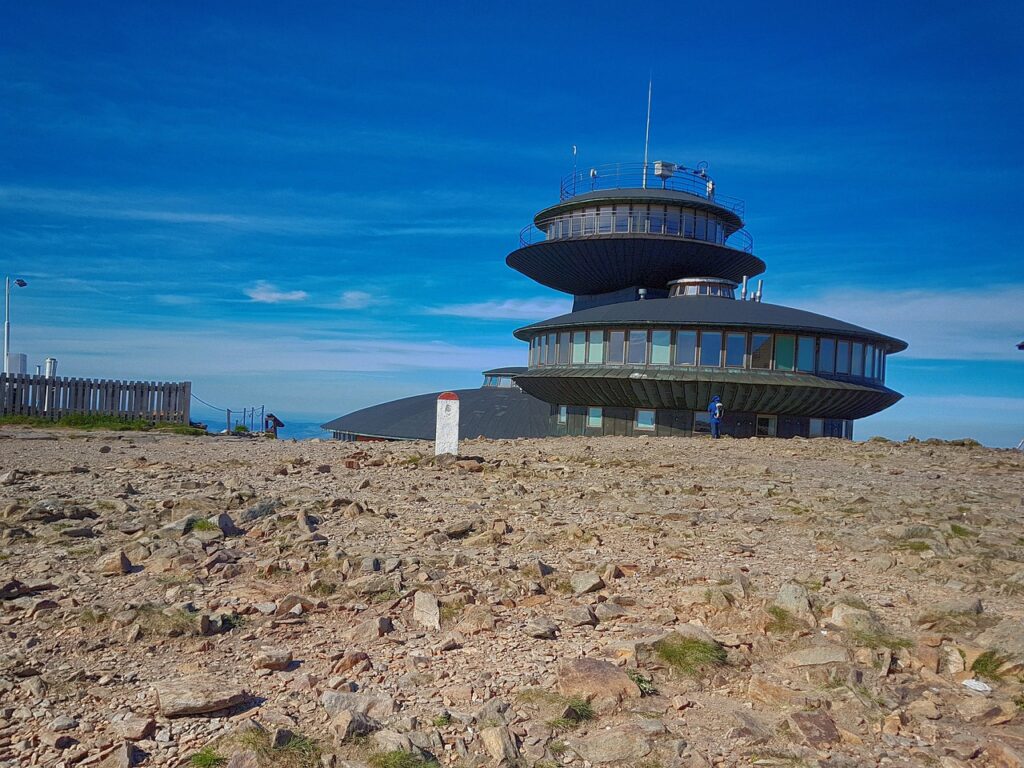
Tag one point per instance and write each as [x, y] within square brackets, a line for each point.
[170, 600]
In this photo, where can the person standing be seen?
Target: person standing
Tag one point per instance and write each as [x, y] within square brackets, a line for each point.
[716, 410]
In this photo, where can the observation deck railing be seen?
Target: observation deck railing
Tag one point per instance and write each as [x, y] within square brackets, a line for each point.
[573, 225]
[631, 176]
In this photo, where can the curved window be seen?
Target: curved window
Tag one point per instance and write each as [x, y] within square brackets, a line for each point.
[661, 343]
[785, 353]
[551, 348]
[857, 364]
[827, 356]
[710, 348]
[735, 349]
[563, 348]
[686, 347]
[637, 351]
[761, 350]
[805, 354]
[616, 346]
[843, 357]
[579, 347]
[595, 346]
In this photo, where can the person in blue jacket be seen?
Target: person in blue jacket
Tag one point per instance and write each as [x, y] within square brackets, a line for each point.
[716, 409]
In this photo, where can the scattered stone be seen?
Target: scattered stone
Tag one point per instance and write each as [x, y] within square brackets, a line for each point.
[585, 583]
[426, 611]
[196, 695]
[600, 682]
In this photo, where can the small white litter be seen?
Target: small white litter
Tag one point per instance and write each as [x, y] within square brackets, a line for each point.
[977, 685]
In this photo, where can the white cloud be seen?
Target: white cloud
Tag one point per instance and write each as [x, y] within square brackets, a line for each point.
[268, 293]
[356, 300]
[965, 324]
[509, 309]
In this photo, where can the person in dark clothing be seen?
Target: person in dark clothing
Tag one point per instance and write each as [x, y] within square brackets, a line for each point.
[717, 410]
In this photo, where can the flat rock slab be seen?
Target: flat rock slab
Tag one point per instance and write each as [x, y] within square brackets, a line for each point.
[816, 655]
[196, 696]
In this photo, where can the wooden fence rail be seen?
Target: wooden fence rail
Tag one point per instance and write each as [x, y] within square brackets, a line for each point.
[52, 398]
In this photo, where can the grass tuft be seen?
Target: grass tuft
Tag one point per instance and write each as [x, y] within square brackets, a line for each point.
[644, 683]
[207, 757]
[988, 665]
[690, 656]
[203, 525]
[879, 640]
[399, 759]
[298, 752]
[783, 622]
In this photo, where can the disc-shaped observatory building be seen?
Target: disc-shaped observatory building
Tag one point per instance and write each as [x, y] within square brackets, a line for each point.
[658, 264]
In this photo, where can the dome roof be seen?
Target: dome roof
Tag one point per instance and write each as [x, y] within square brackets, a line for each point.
[710, 311]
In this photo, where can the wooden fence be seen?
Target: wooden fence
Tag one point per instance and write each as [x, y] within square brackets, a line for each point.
[52, 398]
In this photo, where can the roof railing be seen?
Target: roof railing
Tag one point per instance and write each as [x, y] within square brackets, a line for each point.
[656, 175]
[590, 223]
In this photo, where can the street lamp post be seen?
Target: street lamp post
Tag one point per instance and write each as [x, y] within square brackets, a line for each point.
[7, 320]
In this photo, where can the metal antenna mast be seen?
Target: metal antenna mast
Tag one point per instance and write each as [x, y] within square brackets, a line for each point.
[647, 135]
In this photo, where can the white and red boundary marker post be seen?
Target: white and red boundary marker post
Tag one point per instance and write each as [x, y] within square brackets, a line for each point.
[446, 438]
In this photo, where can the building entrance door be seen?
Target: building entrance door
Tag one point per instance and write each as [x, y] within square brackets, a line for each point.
[766, 426]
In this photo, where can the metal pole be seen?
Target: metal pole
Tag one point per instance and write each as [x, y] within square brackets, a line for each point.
[229, 420]
[263, 419]
[647, 135]
[7, 325]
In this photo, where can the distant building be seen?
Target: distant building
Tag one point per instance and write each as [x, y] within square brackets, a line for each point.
[17, 362]
[658, 265]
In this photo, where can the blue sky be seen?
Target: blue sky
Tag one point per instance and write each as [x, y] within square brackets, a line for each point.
[309, 206]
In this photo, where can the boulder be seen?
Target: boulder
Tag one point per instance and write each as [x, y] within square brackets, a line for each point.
[114, 564]
[426, 611]
[276, 659]
[625, 744]
[499, 743]
[376, 705]
[815, 728]
[586, 582]
[600, 682]
[348, 724]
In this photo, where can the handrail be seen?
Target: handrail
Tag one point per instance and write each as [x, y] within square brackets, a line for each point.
[588, 224]
[633, 176]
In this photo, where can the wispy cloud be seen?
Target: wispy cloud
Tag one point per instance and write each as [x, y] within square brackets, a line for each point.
[268, 293]
[965, 324]
[356, 300]
[506, 309]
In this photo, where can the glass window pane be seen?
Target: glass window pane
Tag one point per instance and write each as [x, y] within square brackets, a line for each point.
[784, 353]
[595, 347]
[761, 350]
[563, 414]
[563, 348]
[686, 347]
[827, 356]
[843, 357]
[735, 349]
[869, 361]
[805, 354]
[661, 342]
[688, 222]
[644, 419]
[637, 347]
[710, 348]
[579, 347]
[616, 343]
[551, 348]
[857, 365]
[594, 417]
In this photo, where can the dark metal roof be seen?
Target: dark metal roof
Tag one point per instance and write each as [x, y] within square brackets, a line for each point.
[508, 370]
[604, 263]
[492, 412]
[649, 195]
[710, 311]
[752, 391]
